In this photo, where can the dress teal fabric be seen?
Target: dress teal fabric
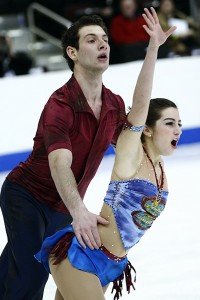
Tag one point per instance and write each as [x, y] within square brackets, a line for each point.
[135, 207]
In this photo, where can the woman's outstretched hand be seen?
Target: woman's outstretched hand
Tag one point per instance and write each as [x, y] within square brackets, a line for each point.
[153, 28]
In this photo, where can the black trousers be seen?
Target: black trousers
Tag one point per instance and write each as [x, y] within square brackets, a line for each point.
[27, 223]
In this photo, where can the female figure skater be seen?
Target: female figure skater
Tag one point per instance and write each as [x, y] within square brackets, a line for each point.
[136, 194]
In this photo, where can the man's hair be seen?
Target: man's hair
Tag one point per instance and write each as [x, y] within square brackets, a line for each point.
[71, 36]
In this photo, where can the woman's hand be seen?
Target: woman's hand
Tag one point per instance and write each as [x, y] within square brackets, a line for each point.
[153, 28]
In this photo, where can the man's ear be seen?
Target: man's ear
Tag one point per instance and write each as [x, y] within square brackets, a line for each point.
[147, 132]
[71, 52]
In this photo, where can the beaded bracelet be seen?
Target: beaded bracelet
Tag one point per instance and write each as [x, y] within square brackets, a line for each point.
[133, 128]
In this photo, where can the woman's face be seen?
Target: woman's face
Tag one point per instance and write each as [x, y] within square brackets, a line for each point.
[167, 131]
[128, 8]
[167, 7]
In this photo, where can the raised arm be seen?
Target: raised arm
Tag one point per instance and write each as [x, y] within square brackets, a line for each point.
[129, 142]
[142, 93]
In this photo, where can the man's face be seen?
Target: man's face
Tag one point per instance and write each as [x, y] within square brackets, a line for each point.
[94, 50]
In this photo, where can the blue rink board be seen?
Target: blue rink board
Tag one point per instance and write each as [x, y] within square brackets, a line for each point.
[9, 161]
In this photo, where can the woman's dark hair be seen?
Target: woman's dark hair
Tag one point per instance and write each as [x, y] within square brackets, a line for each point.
[156, 106]
[71, 36]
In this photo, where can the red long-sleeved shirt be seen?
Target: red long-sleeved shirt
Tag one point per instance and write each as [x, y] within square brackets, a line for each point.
[68, 122]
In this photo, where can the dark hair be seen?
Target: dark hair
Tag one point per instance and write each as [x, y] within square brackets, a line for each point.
[71, 36]
[4, 55]
[21, 63]
[156, 106]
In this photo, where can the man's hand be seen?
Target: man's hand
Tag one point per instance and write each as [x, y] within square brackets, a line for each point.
[85, 228]
[84, 222]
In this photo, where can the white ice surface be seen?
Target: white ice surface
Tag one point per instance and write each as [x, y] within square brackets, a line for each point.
[167, 259]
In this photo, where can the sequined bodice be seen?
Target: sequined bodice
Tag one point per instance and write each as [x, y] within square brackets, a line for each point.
[135, 207]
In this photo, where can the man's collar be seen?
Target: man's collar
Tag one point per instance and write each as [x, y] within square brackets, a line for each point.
[79, 102]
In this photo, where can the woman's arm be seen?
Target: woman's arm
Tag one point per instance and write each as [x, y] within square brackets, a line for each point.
[129, 143]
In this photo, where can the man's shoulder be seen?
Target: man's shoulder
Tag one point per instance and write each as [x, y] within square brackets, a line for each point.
[112, 96]
[63, 92]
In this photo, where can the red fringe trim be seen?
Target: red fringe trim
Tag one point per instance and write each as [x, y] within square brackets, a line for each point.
[117, 283]
[60, 250]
